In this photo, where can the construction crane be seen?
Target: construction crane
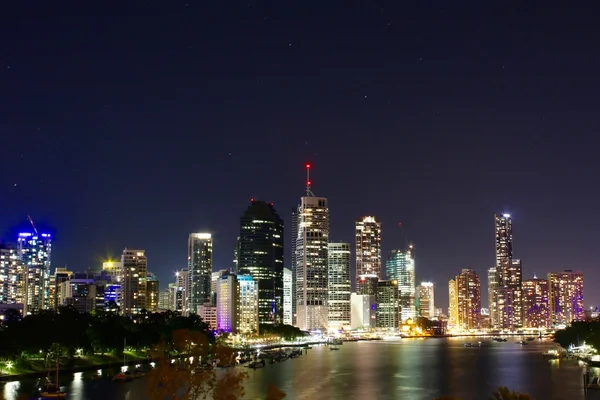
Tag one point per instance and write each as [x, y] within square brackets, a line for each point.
[32, 224]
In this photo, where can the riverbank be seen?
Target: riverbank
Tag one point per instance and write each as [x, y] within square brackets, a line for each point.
[36, 368]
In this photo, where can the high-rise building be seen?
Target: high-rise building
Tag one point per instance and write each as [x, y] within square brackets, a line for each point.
[387, 314]
[311, 262]
[61, 274]
[215, 277]
[261, 256]
[363, 311]
[452, 303]
[248, 304]
[400, 266]
[79, 292]
[11, 275]
[152, 289]
[135, 272]
[35, 254]
[208, 313]
[199, 269]
[508, 310]
[367, 284]
[181, 291]
[492, 288]
[368, 247]
[468, 287]
[426, 300]
[236, 255]
[227, 303]
[535, 303]
[339, 285]
[287, 296]
[294, 241]
[113, 269]
[565, 297]
[164, 303]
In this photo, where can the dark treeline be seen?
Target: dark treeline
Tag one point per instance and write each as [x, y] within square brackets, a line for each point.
[98, 332]
[579, 332]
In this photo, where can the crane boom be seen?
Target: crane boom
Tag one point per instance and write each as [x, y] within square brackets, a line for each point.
[32, 224]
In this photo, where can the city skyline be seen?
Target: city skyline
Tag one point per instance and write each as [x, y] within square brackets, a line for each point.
[414, 135]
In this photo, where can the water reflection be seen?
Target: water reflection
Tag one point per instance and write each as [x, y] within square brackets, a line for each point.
[11, 390]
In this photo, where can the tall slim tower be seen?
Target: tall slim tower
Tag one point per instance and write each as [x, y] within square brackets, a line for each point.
[340, 287]
[35, 253]
[508, 312]
[134, 286]
[468, 287]
[368, 247]
[426, 300]
[401, 267]
[311, 260]
[199, 269]
[295, 216]
[261, 256]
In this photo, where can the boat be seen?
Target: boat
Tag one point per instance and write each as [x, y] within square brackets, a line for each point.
[468, 344]
[333, 348]
[551, 354]
[257, 364]
[499, 339]
[52, 390]
[523, 343]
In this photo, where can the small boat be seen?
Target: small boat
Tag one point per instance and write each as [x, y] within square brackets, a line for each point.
[469, 344]
[499, 339]
[523, 343]
[333, 348]
[52, 391]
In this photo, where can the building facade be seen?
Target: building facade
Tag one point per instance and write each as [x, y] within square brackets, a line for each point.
[152, 290]
[199, 269]
[363, 311]
[260, 255]
[452, 304]
[387, 314]
[287, 296]
[368, 247]
[565, 297]
[468, 286]
[227, 303]
[134, 289]
[536, 308]
[311, 263]
[248, 307]
[11, 275]
[35, 252]
[426, 300]
[400, 266]
[339, 286]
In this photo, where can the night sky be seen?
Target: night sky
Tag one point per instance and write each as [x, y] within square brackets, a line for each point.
[134, 125]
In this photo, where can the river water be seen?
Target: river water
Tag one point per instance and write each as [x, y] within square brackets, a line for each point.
[408, 369]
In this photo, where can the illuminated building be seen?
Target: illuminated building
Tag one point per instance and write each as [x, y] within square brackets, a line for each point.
[164, 300]
[401, 267]
[367, 284]
[227, 299]
[368, 247]
[311, 261]
[176, 298]
[134, 288]
[261, 256]
[565, 297]
[506, 311]
[113, 269]
[426, 300]
[387, 313]
[287, 296]
[468, 286]
[247, 305]
[214, 281]
[152, 292]
[294, 241]
[208, 313]
[11, 275]
[452, 304]
[200, 269]
[61, 274]
[535, 303]
[78, 292]
[35, 253]
[492, 287]
[363, 309]
[181, 291]
[339, 284]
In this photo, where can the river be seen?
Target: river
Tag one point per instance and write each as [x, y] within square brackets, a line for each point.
[408, 369]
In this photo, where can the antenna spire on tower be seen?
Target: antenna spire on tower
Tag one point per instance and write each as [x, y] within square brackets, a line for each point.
[309, 192]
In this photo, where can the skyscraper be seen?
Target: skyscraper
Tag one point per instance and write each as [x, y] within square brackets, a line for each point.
[508, 310]
[294, 241]
[535, 303]
[135, 272]
[339, 285]
[401, 267]
[426, 300]
[181, 291]
[261, 256]
[199, 269]
[152, 288]
[227, 303]
[248, 304]
[468, 287]
[452, 303]
[35, 254]
[387, 314]
[566, 297]
[11, 275]
[311, 261]
[287, 296]
[368, 247]
[492, 288]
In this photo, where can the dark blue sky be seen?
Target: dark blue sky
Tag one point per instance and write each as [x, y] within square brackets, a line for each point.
[133, 125]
